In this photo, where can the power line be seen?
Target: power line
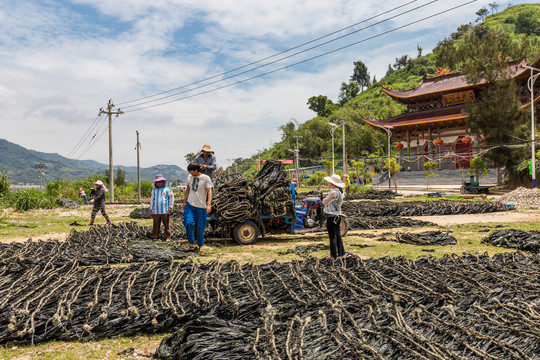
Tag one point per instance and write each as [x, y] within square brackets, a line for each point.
[269, 57]
[303, 61]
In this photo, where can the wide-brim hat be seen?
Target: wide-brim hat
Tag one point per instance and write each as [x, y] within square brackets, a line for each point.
[335, 179]
[99, 182]
[158, 178]
[346, 175]
[207, 148]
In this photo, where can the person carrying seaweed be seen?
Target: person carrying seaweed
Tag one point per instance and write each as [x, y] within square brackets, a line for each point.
[207, 160]
[99, 202]
[161, 205]
[332, 210]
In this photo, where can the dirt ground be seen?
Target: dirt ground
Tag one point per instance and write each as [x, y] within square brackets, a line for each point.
[498, 217]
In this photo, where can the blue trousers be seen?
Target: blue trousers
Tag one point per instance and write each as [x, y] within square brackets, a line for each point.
[195, 218]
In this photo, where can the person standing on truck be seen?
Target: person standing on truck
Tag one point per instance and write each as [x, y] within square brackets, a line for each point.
[196, 205]
[161, 205]
[99, 202]
[207, 160]
[332, 210]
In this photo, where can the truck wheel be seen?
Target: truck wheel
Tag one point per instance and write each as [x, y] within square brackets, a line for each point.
[344, 226]
[246, 233]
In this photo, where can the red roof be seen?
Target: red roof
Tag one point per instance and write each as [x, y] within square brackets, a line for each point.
[421, 117]
[448, 82]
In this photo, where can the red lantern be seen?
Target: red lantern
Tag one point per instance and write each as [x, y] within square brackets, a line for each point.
[399, 146]
[466, 139]
[438, 141]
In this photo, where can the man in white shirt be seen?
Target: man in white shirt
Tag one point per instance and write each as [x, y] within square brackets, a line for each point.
[196, 205]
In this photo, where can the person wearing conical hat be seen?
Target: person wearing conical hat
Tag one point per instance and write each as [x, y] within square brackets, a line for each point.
[207, 160]
[161, 205]
[332, 210]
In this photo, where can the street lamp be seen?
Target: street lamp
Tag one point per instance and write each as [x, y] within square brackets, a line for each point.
[389, 133]
[344, 150]
[334, 127]
[530, 85]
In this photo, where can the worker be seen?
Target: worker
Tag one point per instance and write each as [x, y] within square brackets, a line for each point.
[332, 210]
[99, 202]
[347, 184]
[161, 205]
[82, 195]
[207, 160]
[196, 205]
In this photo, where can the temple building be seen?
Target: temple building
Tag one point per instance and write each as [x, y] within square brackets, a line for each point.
[434, 127]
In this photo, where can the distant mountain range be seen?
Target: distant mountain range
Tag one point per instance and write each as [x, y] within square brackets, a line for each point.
[20, 163]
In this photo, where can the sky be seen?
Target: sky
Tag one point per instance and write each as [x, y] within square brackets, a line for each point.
[180, 73]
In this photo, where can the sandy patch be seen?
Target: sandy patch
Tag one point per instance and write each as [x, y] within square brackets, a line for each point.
[498, 217]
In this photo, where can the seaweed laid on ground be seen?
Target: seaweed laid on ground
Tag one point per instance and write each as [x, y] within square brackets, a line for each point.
[515, 239]
[423, 238]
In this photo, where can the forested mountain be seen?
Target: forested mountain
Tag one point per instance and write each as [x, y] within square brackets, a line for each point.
[20, 163]
[519, 23]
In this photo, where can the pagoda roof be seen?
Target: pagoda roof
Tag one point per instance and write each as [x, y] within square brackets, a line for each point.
[450, 82]
[421, 117]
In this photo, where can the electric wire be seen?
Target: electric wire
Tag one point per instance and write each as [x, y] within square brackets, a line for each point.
[305, 60]
[271, 56]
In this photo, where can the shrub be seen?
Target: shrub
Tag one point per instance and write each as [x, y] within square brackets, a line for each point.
[4, 183]
[26, 199]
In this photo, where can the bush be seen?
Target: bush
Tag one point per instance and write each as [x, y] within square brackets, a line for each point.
[26, 199]
[4, 183]
[358, 189]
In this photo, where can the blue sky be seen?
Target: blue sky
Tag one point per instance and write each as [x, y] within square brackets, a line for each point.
[61, 61]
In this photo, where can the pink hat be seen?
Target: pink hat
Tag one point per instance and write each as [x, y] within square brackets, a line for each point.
[159, 177]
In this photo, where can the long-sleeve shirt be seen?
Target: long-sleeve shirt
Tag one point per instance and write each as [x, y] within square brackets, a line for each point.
[99, 198]
[161, 200]
[210, 161]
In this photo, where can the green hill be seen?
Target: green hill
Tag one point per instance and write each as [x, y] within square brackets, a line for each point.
[19, 164]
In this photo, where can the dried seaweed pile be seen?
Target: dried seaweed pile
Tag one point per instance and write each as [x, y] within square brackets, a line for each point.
[421, 208]
[515, 239]
[424, 238]
[457, 307]
[231, 200]
[270, 193]
[121, 243]
[384, 222]
[305, 250]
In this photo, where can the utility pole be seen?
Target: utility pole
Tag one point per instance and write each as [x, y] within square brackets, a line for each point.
[40, 168]
[296, 160]
[138, 169]
[109, 112]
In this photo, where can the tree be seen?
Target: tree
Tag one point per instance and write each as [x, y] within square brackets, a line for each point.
[401, 62]
[430, 170]
[482, 13]
[392, 165]
[359, 168]
[419, 48]
[527, 23]
[477, 168]
[190, 157]
[348, 92]
[120, 178]
[493, 6]
[360, 75]
[321, 105]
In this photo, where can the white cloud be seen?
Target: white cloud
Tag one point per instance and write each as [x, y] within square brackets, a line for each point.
[60, 63]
